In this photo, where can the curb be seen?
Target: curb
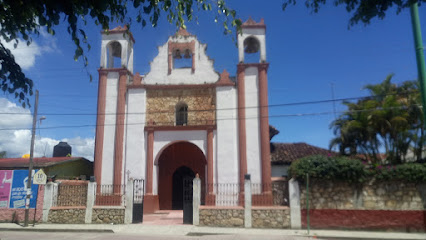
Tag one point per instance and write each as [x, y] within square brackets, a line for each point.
[56, 230]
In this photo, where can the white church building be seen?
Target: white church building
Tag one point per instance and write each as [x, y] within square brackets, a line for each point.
[182, 118]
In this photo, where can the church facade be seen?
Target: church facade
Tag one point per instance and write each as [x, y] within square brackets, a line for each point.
[182, 118]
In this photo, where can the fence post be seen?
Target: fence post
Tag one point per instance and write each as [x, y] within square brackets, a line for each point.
[247, 201]
[91, 188]
[128, 212]
[196, 196]
[47, 200]
[295, 214]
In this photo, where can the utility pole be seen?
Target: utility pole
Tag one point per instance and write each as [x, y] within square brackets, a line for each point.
[30, 168]
[420, 56]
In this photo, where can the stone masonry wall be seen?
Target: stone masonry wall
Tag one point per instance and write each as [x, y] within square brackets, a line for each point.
[368, 196]
[270, 218]
[201, 105]
[67, 215]
[222, 217]
[108, 215]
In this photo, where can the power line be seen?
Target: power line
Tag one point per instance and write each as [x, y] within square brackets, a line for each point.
[209, 110]
[223, 119]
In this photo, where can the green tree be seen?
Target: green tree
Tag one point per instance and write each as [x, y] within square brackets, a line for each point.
[391, 117]
[3, 154]
[20, 20]
[362, 10]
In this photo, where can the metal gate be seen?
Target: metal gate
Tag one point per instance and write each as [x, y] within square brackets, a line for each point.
[138, 191]
[187, 200]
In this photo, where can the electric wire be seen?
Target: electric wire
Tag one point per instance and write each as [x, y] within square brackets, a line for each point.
[171, 124]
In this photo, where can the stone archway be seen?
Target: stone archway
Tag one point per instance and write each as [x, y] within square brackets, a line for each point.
[175, 162]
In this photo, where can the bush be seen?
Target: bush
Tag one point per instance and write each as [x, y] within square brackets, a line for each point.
[353, 171]
[329, 168]
[409, 172]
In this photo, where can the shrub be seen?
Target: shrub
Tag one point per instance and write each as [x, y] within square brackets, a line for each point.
[353, 171]
[409, 172]
[330, 168]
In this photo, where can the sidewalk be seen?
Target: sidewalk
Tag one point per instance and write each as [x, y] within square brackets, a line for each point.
[190, 230]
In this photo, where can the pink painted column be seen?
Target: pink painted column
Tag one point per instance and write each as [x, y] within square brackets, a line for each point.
[210, 190]
[242, 144]
[149, 161]
[119, 131]
[264, 128]
[100, 121]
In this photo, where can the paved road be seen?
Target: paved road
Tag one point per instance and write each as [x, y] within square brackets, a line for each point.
[6, 235]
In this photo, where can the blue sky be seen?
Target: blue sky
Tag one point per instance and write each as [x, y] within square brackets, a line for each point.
[307, 53]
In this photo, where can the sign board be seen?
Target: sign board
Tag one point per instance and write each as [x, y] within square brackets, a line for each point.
[40, 177]
[5, 186]
[18, 192]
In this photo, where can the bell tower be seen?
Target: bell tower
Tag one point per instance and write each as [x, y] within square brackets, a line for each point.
[115, 73]
[253, 122]
[251, 41]
[117, 49]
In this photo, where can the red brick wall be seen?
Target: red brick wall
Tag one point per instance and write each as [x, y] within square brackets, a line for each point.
[401, 220]
[6, 214]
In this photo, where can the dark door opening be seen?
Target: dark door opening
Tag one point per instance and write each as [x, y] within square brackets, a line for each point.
[178, 181]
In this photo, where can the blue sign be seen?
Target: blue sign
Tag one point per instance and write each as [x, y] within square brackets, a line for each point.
[18, 192]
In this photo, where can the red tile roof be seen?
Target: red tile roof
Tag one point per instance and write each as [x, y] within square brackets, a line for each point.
[11, 163]
[286, 153]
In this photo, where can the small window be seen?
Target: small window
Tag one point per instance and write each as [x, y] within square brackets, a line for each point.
[182, 59]
[181, 114]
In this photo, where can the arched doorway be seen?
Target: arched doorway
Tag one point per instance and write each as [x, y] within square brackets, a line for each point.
[179, 176]
[177, 161]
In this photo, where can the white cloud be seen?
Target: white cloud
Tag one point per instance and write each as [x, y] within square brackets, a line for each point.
[16, 142]
[25, 55]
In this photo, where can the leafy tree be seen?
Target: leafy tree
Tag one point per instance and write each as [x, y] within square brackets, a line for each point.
[3, 154]
[362, 10]
[20, 20]
[391, 118]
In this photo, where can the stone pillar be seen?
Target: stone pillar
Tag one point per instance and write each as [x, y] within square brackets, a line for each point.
[48, 200]
[119, 131]
[91, 196]
[247, 201]
[128, 212]
[196, 196]
[295, 214]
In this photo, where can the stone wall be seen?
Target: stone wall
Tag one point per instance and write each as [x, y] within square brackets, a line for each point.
[67, 215]
[232, 217]
[368, 196]
[270, 217]
[72, 193]
[374, 205]
[201, 105]
[108, 215]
